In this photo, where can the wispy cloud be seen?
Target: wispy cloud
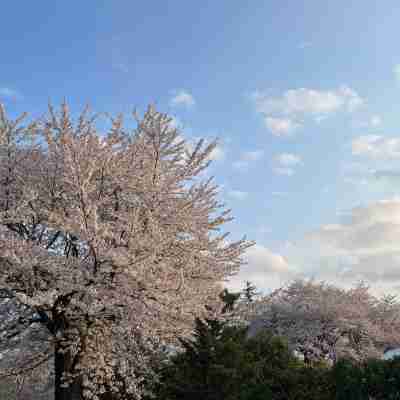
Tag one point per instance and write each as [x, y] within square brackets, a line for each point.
[218, 154]
[376, 147]
[266, 269]
[182, 98]
[309, 101]
[350, 250]
[281, 126]
[282, 113]
[10, 94]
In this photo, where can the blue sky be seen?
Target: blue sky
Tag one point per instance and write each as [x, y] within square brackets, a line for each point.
[303, 96]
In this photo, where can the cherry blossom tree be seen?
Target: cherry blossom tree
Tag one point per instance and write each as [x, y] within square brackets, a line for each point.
[112, 241]
[324, 322]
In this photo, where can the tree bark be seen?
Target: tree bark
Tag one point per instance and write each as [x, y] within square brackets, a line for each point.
[63, 363]
[107, 396]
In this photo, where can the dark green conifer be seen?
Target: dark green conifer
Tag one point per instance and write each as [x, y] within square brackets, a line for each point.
[229, 298]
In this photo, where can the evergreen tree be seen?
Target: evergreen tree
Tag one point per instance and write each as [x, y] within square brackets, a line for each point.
[250, 292]
[229, 299]
[349, 382]
[219, 363]
[208, 367]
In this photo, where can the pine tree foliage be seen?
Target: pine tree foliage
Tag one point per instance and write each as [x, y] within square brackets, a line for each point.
[229, 299]
[221, 362]
[250, 292]
[210, 366]
[113, 242]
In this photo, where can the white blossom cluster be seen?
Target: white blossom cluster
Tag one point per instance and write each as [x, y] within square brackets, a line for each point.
[324, 322]
[108, 239]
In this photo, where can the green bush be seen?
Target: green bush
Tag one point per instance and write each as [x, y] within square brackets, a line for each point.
[221, 364]
[383, 378]
[210, 367]
[349, 381]
[312, 383]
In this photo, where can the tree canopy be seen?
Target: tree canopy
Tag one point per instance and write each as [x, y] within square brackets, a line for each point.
[112, 240]
[323, 321]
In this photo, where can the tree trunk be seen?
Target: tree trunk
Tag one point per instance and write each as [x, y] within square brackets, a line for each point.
[63, 363]
[107, 396]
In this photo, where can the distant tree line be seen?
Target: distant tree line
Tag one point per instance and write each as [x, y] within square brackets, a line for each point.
[220, 363]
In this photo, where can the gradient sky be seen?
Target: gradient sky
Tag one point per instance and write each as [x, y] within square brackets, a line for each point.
[304, 97]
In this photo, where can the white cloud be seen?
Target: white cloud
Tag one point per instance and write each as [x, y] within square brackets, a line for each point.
[281, 126]
[376, 147]
[7, 93]
[266, 269]
[218, 154]
[182, 98]
[237, 194]
[309, 101]
[364, 246]
[264, 259]
[304, 101]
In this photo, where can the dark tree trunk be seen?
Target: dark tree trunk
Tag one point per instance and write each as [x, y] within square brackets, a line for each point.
[107, 396]
[63, 363]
